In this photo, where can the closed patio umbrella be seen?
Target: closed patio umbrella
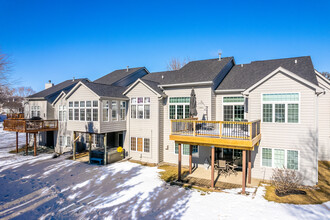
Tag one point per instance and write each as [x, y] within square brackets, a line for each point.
[192, 105]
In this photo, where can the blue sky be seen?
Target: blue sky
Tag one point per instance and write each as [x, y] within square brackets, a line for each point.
[60, 39]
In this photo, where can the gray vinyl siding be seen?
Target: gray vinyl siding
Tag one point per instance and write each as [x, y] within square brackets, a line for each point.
[144, 128]
[84, 94]
[112, 126]
[324, 121]
[295, 136]
[204, 107]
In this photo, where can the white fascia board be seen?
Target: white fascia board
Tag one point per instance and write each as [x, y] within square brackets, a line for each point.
[322, 77]
[283, 70]
[188, 84]
[146, 85]
[57, 98]
[229, 90]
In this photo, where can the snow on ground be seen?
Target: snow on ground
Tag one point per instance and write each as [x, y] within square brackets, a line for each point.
[48, 188]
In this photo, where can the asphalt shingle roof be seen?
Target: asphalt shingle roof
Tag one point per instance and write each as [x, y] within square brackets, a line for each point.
[106, 90]
[243, 77]
[194, 71]
[116, 75]
[153, 85]
[51, 93]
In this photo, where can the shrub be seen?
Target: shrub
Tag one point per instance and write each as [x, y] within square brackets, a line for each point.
[286, 181]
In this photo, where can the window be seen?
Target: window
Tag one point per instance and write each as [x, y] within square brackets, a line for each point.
[105, 105]
[280, 108]
[140, 144]
[179, 107]
[61, 141]
[82, 114]
[114, 110]
[81, 110]
[68, 141]
[95, 114]
[280, 158]
[133, 144]
[146, 145]
[140, 107]
[233, 108]
[64, 141]
[266, 157]
[122, 110]
[292, 161]
[35, 111]
[185, 149]
[61, 113]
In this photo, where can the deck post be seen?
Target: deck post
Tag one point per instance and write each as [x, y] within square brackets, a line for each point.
[179, 162]
[190, 158]
[16, 142]
[243, 171]
[35, 144]
[212, 166]
[249, 167]
[74, 145]
[27, 144]
[90, 147]
[105, 149]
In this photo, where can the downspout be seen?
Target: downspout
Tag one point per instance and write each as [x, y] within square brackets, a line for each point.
[317, 133]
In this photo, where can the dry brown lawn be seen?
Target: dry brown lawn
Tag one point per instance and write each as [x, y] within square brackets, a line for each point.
[314, 196]
[170, 173]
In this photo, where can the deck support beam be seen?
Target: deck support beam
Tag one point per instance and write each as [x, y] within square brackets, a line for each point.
[179, 162]
[16, 142]
[212, 166]
[105, 149]
[249, 167]
[74, 145]
[90, 147]
[27, 144]
[190, 158]
[35, 144]
[243, 171]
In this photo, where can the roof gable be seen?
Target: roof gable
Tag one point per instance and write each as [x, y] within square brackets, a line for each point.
[152, 86]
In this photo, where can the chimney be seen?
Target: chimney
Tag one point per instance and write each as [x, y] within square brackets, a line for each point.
[219, 56]
[49, 84]
[127, 69]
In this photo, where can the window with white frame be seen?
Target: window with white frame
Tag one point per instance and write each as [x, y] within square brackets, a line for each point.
[35, 111]
[140, 144]
[185, 149]
[105, 109]
[64, 140]
[179, 107]
[83, 110]
[280, 107]
[280, 158]
[114, 110]
[62, 113]
[233, 108]
[140, 107]
[122, 110]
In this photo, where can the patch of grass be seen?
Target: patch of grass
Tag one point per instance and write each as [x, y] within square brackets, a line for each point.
[318, 195]
[143, 163]
[22, 149]
[170, 173]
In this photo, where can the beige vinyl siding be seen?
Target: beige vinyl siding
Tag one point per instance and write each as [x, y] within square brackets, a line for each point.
[204, 106]
[161, 130]
[50, 111]
[84, 94]
[295, 136]
[324, 121]
[43, 108]
[144, 128]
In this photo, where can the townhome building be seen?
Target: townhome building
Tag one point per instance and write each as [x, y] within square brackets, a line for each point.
[263, 115]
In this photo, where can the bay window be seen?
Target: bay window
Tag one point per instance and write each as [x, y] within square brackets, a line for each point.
[105, 105]
[122, 110]
[82, 111]
[114, 110]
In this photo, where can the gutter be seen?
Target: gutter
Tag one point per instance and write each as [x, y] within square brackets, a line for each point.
[206, 83]
[229, 90]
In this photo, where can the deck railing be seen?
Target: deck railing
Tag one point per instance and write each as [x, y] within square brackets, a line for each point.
[30, 125]
[216, 129]
[15, 116]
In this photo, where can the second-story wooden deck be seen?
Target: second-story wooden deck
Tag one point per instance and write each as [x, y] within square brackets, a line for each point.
[226, 134]
[30, 126]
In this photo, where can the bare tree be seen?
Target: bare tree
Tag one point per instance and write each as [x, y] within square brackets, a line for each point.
[326, 75]
[4, 68]
[176, 63]
[23, 91]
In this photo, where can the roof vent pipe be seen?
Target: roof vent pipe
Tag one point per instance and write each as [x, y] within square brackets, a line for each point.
[219, 56]
[241, 65]
[73, 79]
[127, 69]
[295, 61]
